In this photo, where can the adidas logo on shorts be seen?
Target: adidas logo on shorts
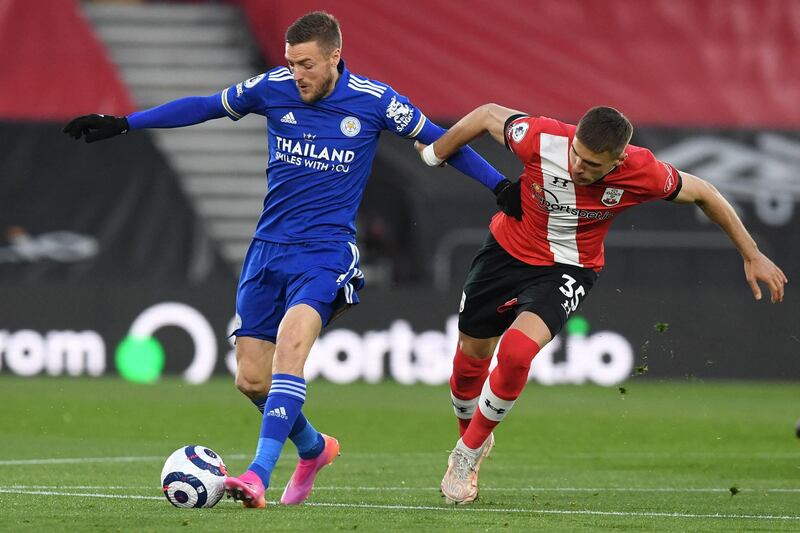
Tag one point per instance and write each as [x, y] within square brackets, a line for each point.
[288, 118]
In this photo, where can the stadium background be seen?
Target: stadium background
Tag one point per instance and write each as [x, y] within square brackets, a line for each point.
[143, 235]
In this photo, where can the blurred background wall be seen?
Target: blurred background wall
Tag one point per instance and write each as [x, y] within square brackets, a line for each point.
[142, 236]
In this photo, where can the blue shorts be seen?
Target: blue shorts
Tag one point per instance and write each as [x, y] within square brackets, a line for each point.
[275, 277]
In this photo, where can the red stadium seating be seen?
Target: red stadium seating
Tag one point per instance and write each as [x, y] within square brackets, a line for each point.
[53, 66]
[663, 62]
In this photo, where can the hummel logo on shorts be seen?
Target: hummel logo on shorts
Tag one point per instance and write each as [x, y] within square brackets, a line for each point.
[280, 412]
[288, 118]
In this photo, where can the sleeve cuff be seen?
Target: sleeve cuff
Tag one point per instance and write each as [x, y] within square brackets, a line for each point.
[228, 109]
[677, 190]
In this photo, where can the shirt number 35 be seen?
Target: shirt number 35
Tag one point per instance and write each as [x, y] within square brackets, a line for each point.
[572, 293]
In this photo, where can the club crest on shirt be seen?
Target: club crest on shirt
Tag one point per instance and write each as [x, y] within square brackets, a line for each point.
[518, 131]
[350, 126]
[611, 196]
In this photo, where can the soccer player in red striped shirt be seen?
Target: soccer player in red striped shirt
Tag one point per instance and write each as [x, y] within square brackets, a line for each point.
[544, 251]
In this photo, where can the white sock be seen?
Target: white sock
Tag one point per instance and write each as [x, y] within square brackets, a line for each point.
[463, 408]
[473, 453]
[493, 407]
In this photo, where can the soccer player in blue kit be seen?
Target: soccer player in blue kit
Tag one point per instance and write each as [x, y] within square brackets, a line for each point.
[302, 267]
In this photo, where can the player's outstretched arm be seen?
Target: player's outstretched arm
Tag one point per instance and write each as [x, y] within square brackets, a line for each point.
[489, 118]
[175, 114]
[757, 266]
[452, 146]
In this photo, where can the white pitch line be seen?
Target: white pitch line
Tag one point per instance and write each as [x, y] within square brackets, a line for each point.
[683, 454]
[570, 489]
[435, 489]
[78, 460]
[82, 487]
[550, 511]
[80, 494]
[364, 455]
[635, 489]
[448, 509]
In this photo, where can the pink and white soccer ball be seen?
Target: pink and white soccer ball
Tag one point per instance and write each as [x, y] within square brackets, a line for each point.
[193, 477]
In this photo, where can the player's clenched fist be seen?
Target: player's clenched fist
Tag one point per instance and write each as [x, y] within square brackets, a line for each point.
[96, 127]
[508, 198]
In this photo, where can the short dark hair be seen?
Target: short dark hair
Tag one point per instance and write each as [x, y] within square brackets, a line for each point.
[604, 129]
[317, 26]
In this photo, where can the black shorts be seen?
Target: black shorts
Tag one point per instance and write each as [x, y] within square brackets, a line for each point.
[499, 287]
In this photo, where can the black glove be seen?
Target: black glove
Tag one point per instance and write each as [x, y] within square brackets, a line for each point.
[508, 198]
[96, 127]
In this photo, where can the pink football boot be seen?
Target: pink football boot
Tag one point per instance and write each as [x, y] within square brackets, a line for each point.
[302, 481]
[247, 489]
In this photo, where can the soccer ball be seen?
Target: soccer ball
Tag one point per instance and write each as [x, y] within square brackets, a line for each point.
[192, 477]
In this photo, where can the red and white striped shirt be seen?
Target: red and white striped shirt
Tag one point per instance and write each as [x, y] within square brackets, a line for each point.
[563, 222]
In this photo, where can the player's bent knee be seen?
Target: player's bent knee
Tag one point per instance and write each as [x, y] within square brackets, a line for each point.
[252, 388]
[516, 362]
[514, 355]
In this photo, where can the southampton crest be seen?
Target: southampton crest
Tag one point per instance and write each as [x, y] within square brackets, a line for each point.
[612, 196]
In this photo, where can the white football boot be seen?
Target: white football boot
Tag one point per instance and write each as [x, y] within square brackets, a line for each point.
[486, 449]
[460, 482]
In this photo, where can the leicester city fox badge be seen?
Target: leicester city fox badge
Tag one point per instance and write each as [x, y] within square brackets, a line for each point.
[350, 126]
[612, 196]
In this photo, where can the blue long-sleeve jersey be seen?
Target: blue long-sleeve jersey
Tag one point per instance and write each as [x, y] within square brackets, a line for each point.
[320, 154]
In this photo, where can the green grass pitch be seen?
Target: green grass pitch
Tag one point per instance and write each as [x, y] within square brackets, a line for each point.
[86, 454]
